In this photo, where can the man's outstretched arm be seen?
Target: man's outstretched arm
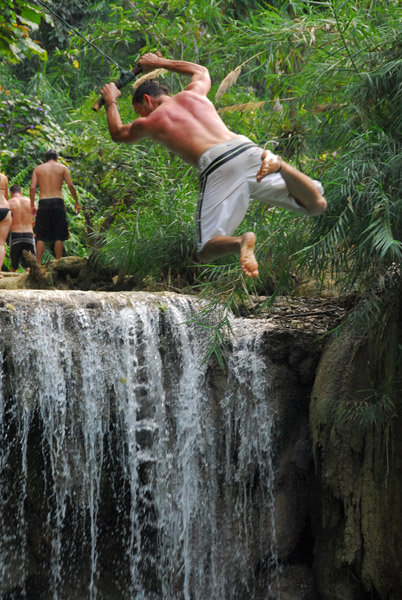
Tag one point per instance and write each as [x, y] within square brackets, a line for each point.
[200, 80]
[128, 134]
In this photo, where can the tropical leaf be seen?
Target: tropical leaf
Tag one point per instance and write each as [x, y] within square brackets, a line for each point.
[382, 239]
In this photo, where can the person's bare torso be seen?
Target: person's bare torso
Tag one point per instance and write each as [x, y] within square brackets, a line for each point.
[22, 214]
[188, 125]
[50, 176]
[3, 188]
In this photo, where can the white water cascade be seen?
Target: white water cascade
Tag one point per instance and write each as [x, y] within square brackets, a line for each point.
[130, 468]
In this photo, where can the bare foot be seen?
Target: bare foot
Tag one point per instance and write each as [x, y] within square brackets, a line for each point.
[270, 164]
[248, 261]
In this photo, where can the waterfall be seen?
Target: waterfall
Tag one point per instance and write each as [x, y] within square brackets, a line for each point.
[129, 466]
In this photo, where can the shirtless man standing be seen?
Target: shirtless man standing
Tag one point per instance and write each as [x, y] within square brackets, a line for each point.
[5, 218]
[233, 169]
[22, 237]
[51, 218]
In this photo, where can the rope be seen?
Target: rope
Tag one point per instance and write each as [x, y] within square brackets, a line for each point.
[48, 8]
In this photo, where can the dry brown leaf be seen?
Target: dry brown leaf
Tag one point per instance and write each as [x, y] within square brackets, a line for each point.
[151, 75]
[228, 82]
[246, 106]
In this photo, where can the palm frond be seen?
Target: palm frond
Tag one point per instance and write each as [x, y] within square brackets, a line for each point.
[382, 240]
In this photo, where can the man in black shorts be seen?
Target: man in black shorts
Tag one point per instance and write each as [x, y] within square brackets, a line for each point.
[51, 218]
[21, 236]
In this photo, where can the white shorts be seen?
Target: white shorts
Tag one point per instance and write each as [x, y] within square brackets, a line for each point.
[228, 182]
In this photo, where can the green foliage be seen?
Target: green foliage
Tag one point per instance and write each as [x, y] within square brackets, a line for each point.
[61, 16]
[152, 232]
[223, 289]
[154, 257]
[376, 409]
[361, 234]
[320, 83]
[19, 20]
[29, 130]
[377, 341]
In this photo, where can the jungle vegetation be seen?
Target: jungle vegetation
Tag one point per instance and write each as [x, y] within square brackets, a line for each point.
[317, 81]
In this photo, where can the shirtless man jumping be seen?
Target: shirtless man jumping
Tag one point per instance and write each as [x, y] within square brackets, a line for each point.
[233, 170]
[51, 218]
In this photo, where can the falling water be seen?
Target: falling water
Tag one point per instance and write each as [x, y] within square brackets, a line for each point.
[129, 467]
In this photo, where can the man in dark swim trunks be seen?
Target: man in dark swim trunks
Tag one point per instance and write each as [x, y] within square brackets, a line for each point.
[22, 237]
[51, 218]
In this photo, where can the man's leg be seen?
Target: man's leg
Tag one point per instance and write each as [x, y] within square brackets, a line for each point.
[40, 248]
[58, 248]
[5, 225]
[300, 186]
[2, 256]
[222, 245]
[14, 256]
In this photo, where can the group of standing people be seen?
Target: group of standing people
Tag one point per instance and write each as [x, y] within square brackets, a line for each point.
[25, 226]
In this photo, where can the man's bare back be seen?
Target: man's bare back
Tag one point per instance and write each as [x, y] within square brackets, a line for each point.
[187, 124]
[50, 176]
[22, 214]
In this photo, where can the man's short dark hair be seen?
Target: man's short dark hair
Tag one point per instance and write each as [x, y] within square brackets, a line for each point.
[151, 87]
[15, 188]
[51, 155]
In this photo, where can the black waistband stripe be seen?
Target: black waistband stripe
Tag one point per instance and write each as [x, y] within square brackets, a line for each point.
[223, 158]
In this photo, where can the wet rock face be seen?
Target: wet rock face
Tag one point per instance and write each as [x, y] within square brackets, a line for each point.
[357, 442]
[130, 467]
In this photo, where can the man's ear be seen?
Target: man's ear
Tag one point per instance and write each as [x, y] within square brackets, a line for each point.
[147, 99]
